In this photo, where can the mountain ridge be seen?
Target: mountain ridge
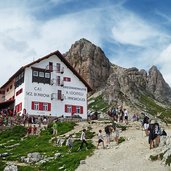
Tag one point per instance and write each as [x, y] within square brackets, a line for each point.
[115, 82]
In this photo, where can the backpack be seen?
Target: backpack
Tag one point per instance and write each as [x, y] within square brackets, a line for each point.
[107, 129]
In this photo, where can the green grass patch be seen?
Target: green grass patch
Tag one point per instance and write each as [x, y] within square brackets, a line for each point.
[28, 168]
[121, 139]
[2, 165]
[63, 127]
[98, 104]
[69, 161]
[14, 133]
[153, 108]
[154, 158]
[122, 127]
[168, 160]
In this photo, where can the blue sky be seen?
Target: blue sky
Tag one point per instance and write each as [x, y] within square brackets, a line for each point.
[132, 33]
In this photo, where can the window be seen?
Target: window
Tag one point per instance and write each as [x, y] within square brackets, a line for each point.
[7, 89]
[19, 92]
[18, 107]
[59, 94]
[78, 109]
[36, 106]
[41, 74]
[69, 109]
[58, 80]
[19, 79]
[47, 75]
[10, 86]
[51, 66]
[35, 73]
[58, 67]
[67, 79]
[73, 109]
[45, 106]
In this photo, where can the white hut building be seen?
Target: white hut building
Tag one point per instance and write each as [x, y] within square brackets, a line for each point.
[47, 86]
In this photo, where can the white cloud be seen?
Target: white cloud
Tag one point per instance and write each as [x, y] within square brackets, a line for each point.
[24, 38]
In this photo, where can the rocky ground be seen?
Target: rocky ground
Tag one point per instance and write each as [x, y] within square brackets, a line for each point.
[131, 155]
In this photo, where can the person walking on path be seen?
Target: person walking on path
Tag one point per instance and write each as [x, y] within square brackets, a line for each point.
[100, 139]
[69, 143]
[126, 116]
[83, 140]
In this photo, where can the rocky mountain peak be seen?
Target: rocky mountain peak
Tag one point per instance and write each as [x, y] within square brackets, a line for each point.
[116, 83]
[157, 85]
[90, 61]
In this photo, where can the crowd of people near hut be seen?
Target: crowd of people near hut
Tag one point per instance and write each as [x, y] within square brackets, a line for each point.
[118, 115]
[8, 118]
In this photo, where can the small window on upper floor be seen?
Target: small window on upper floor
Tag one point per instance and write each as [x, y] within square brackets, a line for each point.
[35, 73]
[47, 75]
[41, 74]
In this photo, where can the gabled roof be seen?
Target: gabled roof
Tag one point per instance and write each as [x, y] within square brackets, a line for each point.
[61, 57]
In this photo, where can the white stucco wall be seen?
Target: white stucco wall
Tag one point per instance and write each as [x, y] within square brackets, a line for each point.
[75, 92]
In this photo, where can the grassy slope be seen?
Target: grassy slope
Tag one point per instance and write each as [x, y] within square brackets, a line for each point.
[41, 144]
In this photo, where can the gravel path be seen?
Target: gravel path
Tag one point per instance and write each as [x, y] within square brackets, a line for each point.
[131, 155]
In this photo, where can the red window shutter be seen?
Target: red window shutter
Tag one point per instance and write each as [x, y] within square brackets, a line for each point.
[66, 108]
[40, 106]
[73, 109]
[49, 106]
[20, 107]
[16, 108]
[65, 78]
[81, 110]
[32, 106]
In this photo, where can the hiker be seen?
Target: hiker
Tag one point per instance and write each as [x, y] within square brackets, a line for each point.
[107, 131]
[157, 132]
[146, 124]
[34, 130]
[29, 130]
[126, 116]
[55, 126]
[69, 143]
[116, 134]
[100, 139]
[151, 129]
[83, 140]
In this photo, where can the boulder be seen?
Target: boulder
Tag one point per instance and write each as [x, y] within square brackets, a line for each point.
[11, 168]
